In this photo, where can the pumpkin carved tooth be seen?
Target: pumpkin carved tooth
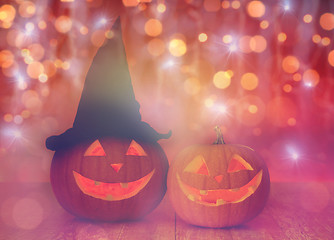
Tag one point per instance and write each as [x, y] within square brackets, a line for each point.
[191, 197]
[124, 185]
[220, 202]
[109, 197]
[251, 189]
[203, 192]
[234, 190]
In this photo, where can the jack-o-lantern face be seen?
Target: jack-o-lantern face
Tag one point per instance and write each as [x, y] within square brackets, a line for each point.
[216, 197]
[228, 184]
[110, 179]
[112, 191]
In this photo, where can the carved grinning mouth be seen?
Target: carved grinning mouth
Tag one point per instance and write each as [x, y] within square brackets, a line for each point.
[111, 191]
[220, 196]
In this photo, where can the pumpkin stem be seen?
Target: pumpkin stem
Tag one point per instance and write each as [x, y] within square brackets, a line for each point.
[220, 139]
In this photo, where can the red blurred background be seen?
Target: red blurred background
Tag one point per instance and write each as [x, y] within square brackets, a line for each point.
[261, 70]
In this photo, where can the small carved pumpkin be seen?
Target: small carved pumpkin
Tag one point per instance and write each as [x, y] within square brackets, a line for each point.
[218, 185]
[110, 179]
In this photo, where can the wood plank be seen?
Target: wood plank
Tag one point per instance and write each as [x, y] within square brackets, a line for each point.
[185, 231]
[294, 211]
[157, 225]
[55, 222]
[289, 208]
[262, 227]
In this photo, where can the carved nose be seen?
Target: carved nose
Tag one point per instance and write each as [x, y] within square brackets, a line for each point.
[219, 178]
[116, 166]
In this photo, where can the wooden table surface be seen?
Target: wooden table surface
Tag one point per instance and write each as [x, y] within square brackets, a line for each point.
[294, 211]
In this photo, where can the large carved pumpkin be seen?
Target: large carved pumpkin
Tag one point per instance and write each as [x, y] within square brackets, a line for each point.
[110, 179]
[218, 185]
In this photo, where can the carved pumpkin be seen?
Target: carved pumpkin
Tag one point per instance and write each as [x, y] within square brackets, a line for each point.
[218, 185]
[110, 179]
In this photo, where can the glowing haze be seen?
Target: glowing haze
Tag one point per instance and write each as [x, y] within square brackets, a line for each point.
[261, 70]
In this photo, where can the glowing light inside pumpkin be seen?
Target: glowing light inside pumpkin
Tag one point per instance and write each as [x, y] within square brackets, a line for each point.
[95, 149]
[198, 166]
[237, 164]
[220, 196]
[218, 178]
[111, 191]
[116, 166]
[135, 149]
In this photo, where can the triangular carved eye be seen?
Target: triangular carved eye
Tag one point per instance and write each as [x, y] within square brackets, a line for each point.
[135, 149]
[95, 149]
[198, 166]
[237, 164]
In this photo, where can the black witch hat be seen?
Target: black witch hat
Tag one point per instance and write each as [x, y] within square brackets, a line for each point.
[107, 106]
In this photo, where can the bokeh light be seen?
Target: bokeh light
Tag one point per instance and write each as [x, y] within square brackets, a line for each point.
[325, 41]
[7, 15]
[235, 4]
[97, 38]
[264, 24]
[27, 9]
[177, 47]
[249, 81]
[225, 4]
[290, 64]
[36, 51]
[211, 5]
[156, 47]
[256, 9]
[292, 121]
[27, 213]
[314, 197]
[222, 79]
[63, 24]
[227, 38]
[327, 21]
[250, 110]
[6, 58]
[311, 77]
[287, 88]
[153, 27]
[316, 38]
[161, 7]
[109, 34]
[130, 3]
[281, 37]
[258, 43]
[331, 58]
[84, 30]
[202, 37]
[42, 25]
[307, 18]
[34, 69]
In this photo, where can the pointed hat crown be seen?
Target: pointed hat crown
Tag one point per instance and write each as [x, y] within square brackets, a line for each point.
[107, 106]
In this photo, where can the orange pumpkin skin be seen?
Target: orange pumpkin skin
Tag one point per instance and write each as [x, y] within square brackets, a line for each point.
[118, 184]
[216, 194]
